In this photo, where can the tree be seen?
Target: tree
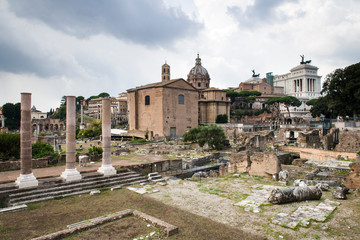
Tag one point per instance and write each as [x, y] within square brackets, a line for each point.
[92, 130]
[342, 88]
[79, 101]
[60, 113]
[9, 145]
[319, 106]
[213, 135]
[103, 95]
[12, 113]
[288, 101]
[222, 118]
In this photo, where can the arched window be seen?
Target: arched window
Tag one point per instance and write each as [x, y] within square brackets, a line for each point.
[147, 100]
[181, 99]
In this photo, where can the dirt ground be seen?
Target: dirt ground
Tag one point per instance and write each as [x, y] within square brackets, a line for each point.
[214, 198]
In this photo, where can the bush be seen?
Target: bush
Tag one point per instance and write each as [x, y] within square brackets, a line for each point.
[222, 118]
[41, 149]
[95, 149]
[9, 146]
[93, 130]
[213, 135]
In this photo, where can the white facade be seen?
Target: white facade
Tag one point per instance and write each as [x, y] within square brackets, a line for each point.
[304, 83]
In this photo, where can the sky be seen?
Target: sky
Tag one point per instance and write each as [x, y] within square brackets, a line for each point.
[53, 48]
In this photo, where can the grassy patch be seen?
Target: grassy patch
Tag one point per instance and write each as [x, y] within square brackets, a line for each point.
[54, 215]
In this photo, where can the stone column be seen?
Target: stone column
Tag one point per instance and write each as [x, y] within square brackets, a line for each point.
[26, 178]
[82, 124]
[106, 168]
[70, 173]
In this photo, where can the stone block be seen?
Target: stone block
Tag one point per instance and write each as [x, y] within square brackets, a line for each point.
[353, 179]
[299, 161]
[239, 162]
[271, 163]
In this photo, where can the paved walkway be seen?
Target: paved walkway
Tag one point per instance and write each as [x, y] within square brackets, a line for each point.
[11, 176]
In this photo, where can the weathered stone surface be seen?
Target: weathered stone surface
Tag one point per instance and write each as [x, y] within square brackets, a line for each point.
[353, 179]
[339, 193]
[259, 196]
[294, 194]
[305, 214]
[285, 158]
[323, 186]
[258, 163]
[349, 141]
[239, 162]
[299, 161]
[284, 175]
[95, 192]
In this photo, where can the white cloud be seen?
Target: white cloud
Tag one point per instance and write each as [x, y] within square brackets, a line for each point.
[47, 60]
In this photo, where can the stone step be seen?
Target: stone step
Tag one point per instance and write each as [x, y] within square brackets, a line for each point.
[69, 194]
[58, 191]
[81, 183]
[15, 198]
[57, 181]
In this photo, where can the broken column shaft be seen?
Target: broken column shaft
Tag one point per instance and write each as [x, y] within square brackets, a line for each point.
[106, 167]
[26, 178]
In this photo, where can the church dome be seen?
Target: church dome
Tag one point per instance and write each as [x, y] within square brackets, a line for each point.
[199, 76]
[198, 69]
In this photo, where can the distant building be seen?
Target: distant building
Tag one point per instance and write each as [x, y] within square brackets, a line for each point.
[302, 82]
[36, 114]
[118, 109]
[212, 103]
[164, 109]
[260, 85]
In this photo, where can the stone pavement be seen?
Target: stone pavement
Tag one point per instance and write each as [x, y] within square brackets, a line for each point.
[11, 176]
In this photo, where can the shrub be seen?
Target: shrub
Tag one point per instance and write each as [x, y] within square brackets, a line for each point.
[41, 149]
[95, 149]
[9, 146]
[222, 118]
[213, 135]
[93, 130]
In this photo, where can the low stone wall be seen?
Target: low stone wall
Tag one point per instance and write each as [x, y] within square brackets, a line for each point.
[15, 165]
[316, 154]
[207, 159]
[160, 166]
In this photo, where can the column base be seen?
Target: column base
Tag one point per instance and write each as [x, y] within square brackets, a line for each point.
[107, 170]
[26, 181]
[70, 175]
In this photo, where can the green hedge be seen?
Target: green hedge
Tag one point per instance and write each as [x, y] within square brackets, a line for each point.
[9, 146]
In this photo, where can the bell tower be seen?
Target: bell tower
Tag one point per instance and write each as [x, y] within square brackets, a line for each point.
[165, 72]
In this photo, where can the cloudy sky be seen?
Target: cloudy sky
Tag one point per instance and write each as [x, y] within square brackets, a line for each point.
[53, 48]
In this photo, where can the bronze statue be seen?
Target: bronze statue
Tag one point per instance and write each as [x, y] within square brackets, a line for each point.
[302, 60]
[255, 75]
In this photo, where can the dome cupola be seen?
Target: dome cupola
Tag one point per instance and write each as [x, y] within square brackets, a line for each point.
[198, 76]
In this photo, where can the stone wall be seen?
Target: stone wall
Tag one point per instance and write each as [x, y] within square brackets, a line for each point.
[316, 154]
[309, 139]
[353, 179]
[160, 166]
[330, 140]
[255, 163]
[216, 157]
[258, 141]
[15, 165]
[349, 141]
